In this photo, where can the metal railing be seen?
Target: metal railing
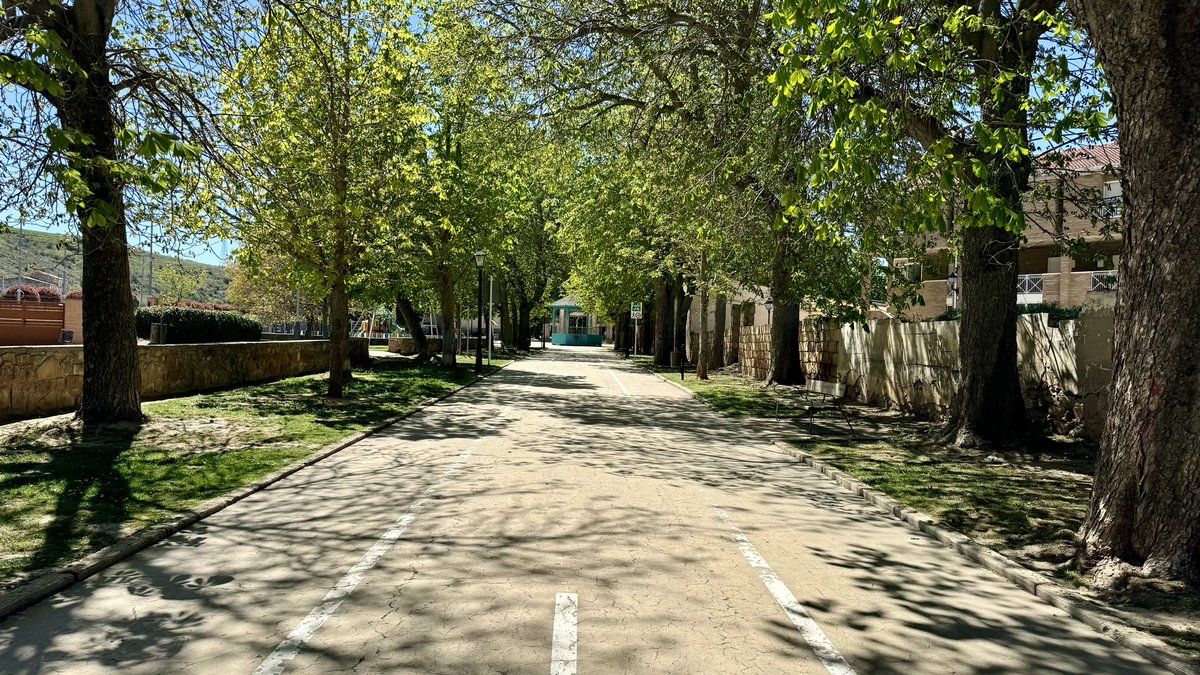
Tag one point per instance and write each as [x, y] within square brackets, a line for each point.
[1111, 207]
[1028, 284]
[1104, 280]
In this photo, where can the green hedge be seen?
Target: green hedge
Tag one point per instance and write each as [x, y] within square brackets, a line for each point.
[1057, 313]
[189, 326]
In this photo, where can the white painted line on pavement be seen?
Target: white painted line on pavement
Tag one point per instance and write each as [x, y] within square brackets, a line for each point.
[619, 382]
[287, 650]
[800, 617]
[563, 645]
[290, 647]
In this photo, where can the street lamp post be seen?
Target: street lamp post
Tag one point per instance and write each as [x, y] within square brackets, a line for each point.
[479, 258]
[770, 304]
[952, 287]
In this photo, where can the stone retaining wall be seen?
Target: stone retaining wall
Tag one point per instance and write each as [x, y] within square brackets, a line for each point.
[1065, 369]
[754, 351]
[38, 381]
[404, 346]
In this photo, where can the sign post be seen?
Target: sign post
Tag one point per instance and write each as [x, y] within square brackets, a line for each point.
[635, 311]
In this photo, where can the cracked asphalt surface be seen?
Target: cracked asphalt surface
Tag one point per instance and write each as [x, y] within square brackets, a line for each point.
[585, 476]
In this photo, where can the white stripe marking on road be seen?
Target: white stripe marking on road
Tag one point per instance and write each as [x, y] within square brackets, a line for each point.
[563, 645]
[287, 650]
[290, 647]
[800, 617]
[619, 382]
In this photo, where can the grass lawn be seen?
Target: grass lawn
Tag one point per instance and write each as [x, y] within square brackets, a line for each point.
[66, 491]
[1028, 507]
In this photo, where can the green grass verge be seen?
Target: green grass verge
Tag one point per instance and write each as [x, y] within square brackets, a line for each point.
[731, 394]
[66, 491]
[1029, 511]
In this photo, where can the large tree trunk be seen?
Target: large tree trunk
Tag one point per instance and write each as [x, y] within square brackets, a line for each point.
[1145, 508]
[339, 336]
[412, 321]
[989, 407]
[786, 367]
[683, 302]
[735, 333]
[449, 326]
[620, 332]
[111, 380]
[524, 317]
[663, 320]
[703, 355]
[717, 355]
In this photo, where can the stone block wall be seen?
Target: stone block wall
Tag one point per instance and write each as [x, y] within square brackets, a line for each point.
[404, 345]
[910, 366]
[819, 350]
[1064, 369]
[754, 351]
[693, 346]
[37, 381]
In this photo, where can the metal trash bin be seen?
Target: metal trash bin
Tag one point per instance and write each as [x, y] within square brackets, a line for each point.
[158, 333]
[676, 360]
[66, 337]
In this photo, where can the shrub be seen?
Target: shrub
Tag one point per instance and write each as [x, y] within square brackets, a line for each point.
[49, 295]
[75, 295]
[189, 326]
[28, 293]
[951, 314]
[1057, 313]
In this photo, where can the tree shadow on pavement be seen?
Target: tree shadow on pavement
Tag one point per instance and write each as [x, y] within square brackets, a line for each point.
[472, 582]
[80, 467]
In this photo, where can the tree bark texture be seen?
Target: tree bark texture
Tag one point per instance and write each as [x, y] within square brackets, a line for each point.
[786, 367]
[644, 330]
[989, 407]
[717, 353]
[111, 380]
[620, 332]
[663, 320]
[412, 321]
[703, 354]
[523, 320]
[1145, 508]
[339, 335]
[449, 326]
[683, 302]
[735, 333]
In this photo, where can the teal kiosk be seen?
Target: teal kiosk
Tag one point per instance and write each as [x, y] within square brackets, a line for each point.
[571, 326]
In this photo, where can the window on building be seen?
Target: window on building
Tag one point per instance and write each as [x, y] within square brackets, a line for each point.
[1111, 205]
[913, 272]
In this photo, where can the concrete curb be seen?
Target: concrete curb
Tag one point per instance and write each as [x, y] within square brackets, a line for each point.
[30, 592]
[1093, 615]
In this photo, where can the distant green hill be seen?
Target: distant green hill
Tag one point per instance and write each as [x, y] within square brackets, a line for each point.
[57, 254]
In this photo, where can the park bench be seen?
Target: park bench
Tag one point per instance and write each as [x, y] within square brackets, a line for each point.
[815, 396]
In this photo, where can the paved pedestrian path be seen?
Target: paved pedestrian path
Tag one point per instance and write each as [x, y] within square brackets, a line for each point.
[571, 514]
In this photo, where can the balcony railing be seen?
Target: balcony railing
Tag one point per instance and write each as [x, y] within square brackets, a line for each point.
[1104, 280]
[1029, 289]
[1029, 283]
[1110, 207]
